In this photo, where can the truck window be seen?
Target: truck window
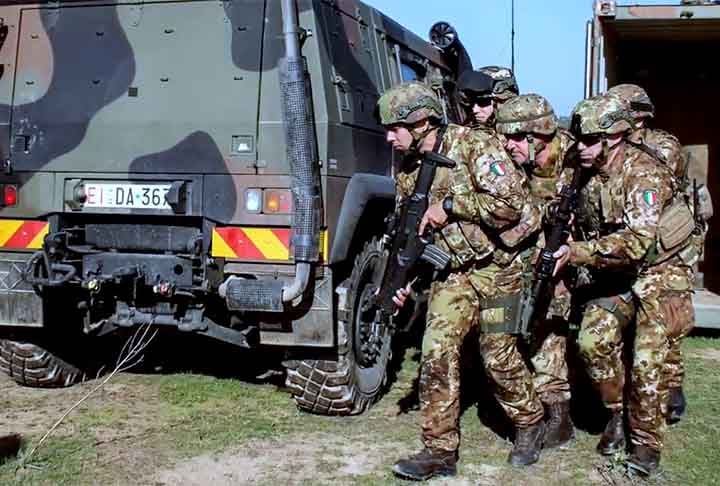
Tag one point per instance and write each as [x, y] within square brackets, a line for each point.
[409, 73]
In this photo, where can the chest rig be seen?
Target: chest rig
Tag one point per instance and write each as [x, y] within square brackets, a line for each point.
[600, 207]
[466, 241]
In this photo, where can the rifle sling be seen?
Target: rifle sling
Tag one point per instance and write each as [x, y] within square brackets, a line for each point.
[440, 137]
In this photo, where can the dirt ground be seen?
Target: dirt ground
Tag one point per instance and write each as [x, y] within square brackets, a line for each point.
[194, 429]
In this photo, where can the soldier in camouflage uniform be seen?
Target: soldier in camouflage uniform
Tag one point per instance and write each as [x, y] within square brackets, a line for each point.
[534, 141]
[667, 149]
[637, 228]
[483, 92]
[470, 205]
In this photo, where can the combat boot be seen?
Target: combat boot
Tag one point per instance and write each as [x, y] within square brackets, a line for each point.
[644, 460]
[528, 442]
[676, 405]
[613, 437]
[427, 464]
[559, 428]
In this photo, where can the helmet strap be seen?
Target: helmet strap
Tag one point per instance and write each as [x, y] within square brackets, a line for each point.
[532, 151]
[419, 135]
[490, 122]
[636, 124]
[535, 147]
[605, 149]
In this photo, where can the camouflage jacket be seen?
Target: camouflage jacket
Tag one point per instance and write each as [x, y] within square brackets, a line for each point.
[489, 129]
[488, 193]
[667, 149]
[664, 147]
[619, 210]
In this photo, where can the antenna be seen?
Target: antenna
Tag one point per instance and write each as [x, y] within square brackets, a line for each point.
[512, 35]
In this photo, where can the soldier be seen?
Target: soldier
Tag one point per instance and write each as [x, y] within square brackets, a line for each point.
[482, 92]
[534, 141]
[659, 143]
[668, 150]
[480, 197]
[637, 229]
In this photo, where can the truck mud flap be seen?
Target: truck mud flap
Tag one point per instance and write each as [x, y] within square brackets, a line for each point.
[312, 325]
[20, 306]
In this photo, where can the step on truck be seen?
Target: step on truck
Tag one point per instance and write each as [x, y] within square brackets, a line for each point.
[210, 167]
[670, 50]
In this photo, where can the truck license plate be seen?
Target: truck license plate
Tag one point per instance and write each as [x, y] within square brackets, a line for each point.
[126, 195]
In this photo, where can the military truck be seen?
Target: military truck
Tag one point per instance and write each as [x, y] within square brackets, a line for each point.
[211, 167]
[669, 51]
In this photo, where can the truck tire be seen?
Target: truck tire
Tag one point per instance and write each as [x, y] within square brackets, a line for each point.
[31, 365]
[345, 385]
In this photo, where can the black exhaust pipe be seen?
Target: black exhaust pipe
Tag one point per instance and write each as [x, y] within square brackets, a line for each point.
[301, 147]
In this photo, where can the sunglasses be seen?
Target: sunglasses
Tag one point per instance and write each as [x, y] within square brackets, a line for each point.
[516, 137]
[470, 99]
[589, 140]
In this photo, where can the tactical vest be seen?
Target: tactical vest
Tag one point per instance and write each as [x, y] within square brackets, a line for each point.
[666, 149]
[467, 242]
[601, 212]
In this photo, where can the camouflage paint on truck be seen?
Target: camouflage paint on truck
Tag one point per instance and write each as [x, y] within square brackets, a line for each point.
[145, 144]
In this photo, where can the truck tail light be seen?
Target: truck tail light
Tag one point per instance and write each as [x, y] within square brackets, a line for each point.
[277, 201]
[9, 194]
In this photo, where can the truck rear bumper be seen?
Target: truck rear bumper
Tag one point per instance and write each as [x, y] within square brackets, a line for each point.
[310, 325]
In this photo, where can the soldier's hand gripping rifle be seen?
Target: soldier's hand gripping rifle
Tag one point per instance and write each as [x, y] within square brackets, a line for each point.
[560, 220]
[409, 248]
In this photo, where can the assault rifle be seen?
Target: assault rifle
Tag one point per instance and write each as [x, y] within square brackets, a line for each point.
[537, 301]
[409, 248]
[699, 222]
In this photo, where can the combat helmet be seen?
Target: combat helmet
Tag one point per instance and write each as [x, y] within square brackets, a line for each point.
[600, 115]
[529, 113]
[472, 85]
[408, 103]
[504, 83]
[637, 99]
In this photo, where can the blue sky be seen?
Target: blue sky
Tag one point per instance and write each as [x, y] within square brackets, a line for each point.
[549, 37]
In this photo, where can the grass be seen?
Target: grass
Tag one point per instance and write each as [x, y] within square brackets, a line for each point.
[148, 423]
[693, 449]
[212, 414]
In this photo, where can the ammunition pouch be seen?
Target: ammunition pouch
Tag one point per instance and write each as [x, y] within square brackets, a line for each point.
[674, 232]
[466, 242]
[675, 226]
[503, 315]
[612, 305]
[690, 254]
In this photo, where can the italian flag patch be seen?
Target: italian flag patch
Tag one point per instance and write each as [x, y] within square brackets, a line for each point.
[498, 168]
[650, 197]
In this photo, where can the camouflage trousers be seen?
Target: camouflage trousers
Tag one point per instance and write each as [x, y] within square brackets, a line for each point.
[549, 361]
[674, 372]
[453, 311]
[551, 371]
[665, 313]
[600, 345]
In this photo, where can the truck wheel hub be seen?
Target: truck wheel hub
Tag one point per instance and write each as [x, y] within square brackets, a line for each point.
[368, 330]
